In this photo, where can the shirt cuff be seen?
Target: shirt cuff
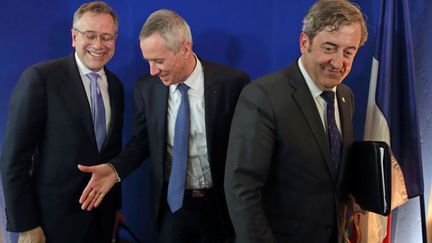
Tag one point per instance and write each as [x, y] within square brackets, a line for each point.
[118, 179]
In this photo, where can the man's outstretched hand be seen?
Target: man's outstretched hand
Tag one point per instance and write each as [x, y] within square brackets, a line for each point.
[102, 180]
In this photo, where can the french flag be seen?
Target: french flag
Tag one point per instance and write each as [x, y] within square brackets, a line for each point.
[392, 113]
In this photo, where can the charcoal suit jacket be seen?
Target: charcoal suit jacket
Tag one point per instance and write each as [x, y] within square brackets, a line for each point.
[281, 182]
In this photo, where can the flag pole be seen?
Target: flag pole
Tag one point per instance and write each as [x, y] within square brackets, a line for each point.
[423, 217]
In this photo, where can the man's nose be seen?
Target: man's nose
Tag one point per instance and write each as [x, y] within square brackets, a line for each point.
[154, 70]
[97, 42]
[337, 60]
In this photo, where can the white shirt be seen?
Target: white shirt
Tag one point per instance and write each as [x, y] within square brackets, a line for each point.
[103, 85]
[198, 172]
[321, 104]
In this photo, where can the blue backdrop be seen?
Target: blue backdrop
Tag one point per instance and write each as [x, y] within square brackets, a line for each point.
[258, 37]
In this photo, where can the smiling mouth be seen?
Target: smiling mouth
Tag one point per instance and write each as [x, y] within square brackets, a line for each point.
[95, 54]
[333, 71]
[330, 67]
[163, 76]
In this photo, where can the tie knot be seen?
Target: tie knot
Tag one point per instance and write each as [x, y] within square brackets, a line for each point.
[328, 96]
[93, 76]
[183, 88]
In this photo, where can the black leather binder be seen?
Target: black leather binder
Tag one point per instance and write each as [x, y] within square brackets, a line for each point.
[370, 181]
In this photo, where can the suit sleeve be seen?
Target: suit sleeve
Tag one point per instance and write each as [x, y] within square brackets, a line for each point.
[249, 156]
[137, 148]
[25, 126]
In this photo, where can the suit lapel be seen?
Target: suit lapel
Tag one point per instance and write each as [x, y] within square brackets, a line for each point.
[307, 106]
[160, 106]
[114, 100]
[345, 111]
[210, 102]
[344, 114]
[77, 97]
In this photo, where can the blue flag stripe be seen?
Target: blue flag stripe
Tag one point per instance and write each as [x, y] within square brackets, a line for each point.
[395, 94]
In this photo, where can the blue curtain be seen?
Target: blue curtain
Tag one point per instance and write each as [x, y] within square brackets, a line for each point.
[258, 37]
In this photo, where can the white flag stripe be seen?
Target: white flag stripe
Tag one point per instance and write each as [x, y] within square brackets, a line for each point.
[376, 127]
[373, 227]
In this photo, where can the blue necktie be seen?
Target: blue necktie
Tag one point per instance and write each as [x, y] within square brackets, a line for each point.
[335, 138]
[97, 109]
[177, 179]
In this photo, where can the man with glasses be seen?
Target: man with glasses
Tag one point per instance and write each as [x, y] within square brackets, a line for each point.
[62, 113]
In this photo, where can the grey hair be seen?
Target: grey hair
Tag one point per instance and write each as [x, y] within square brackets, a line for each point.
[172, 27]
[94, 7]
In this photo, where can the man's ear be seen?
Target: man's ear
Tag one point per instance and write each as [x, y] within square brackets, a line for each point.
[304, 42]
[73, 35]
[186, 49]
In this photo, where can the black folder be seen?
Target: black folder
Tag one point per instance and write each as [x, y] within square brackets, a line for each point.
[370, 181]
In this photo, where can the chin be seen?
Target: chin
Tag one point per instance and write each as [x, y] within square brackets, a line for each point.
[166, 83]
[96, 68]
[94, 65]
[333, 82]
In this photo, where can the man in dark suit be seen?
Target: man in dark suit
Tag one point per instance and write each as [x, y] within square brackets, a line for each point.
[286, 159]
[185, 208]
[51, 129]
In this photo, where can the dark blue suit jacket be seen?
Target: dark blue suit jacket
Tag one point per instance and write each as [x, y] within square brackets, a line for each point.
[222, 86]
[49, 132]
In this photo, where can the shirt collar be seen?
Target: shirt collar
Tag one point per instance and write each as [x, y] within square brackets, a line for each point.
[313, 87]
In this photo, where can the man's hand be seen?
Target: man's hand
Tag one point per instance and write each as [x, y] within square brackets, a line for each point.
[102, 180]
[35, 235]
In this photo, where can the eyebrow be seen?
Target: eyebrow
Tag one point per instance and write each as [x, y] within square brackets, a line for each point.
[153, 59]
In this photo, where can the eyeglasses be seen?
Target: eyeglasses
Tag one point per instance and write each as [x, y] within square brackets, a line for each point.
[91, 36]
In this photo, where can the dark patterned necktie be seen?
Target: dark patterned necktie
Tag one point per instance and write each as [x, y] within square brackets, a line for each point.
[97, 110]
[335, 138]
[177, 179]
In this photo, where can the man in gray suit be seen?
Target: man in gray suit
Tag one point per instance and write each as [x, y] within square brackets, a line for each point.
[286, 161]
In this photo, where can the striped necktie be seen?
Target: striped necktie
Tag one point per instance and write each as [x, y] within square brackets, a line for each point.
[97, 109]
